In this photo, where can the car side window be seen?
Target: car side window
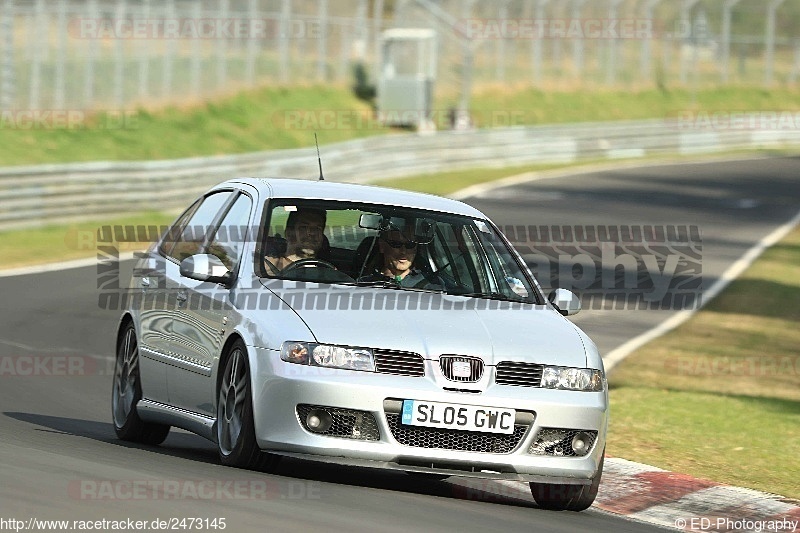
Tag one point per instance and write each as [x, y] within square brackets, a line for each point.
[229, 239]
[172, 235]
[194, 233]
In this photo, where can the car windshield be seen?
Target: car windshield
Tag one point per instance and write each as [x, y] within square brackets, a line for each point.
[390, 247]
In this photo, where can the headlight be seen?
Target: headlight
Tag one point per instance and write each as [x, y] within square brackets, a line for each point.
[580, 379]
[326, 355]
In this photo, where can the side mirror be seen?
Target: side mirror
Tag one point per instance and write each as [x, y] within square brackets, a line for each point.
[565, 301]
[205, 267]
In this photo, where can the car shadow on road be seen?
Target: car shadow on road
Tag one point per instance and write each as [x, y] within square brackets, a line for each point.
[178, 444]
[289, 470]
[473, 489]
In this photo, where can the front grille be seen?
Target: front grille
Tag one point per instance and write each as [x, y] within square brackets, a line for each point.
[452, 439]
[399, 363]
[518, 374]
[558, 442]
[347, 423]
[450, 364]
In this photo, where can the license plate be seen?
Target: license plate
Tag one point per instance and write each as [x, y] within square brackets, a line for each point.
[454, 416]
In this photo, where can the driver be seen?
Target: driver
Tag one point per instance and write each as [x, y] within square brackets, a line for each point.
[304, 238]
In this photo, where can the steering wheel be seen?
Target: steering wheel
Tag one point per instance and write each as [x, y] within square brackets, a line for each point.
[306, 263]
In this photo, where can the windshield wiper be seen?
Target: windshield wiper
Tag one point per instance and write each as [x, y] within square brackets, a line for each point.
[373, 283]
[490, 296]
[388, 284]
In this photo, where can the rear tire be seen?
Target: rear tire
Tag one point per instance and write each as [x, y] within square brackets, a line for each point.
[236, 436]
[126, 393]
[558, 497]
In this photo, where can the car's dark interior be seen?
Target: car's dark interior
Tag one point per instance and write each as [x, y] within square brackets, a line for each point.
[353, 264]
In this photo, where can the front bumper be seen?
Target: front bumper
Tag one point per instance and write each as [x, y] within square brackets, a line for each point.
[279, 387]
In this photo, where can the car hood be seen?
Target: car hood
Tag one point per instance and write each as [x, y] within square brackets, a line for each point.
[434, 324]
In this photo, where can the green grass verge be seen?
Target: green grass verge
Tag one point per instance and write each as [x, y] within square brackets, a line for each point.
[533, 106]
[739, 440]
[276, 118]
[719, 397]
[63, 242]
[265, 119]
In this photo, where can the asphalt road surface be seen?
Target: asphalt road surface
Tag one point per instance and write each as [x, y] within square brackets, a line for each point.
[60, 459]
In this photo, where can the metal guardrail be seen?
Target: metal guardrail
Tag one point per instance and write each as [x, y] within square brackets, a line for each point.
[42, 194]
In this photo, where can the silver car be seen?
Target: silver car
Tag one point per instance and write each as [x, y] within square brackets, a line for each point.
[273, 333]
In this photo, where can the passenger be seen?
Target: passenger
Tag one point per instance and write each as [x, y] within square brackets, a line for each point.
[396, 262]
[304, 239]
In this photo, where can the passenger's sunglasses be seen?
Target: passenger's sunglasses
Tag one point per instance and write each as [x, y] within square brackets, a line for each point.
[408, 245]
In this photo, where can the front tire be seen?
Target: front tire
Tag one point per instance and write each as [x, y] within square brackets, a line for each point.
[557, 497]
[126, 393]
[236, 437]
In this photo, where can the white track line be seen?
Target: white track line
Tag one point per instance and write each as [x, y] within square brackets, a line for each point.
[62, 265]
[735, 270]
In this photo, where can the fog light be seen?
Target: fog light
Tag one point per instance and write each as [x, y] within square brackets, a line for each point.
[319, 421]
[581, 443]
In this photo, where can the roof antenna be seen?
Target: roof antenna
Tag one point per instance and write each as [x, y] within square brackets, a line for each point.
[319, 159]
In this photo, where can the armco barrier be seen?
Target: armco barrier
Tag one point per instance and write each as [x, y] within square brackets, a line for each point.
[35, 195]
